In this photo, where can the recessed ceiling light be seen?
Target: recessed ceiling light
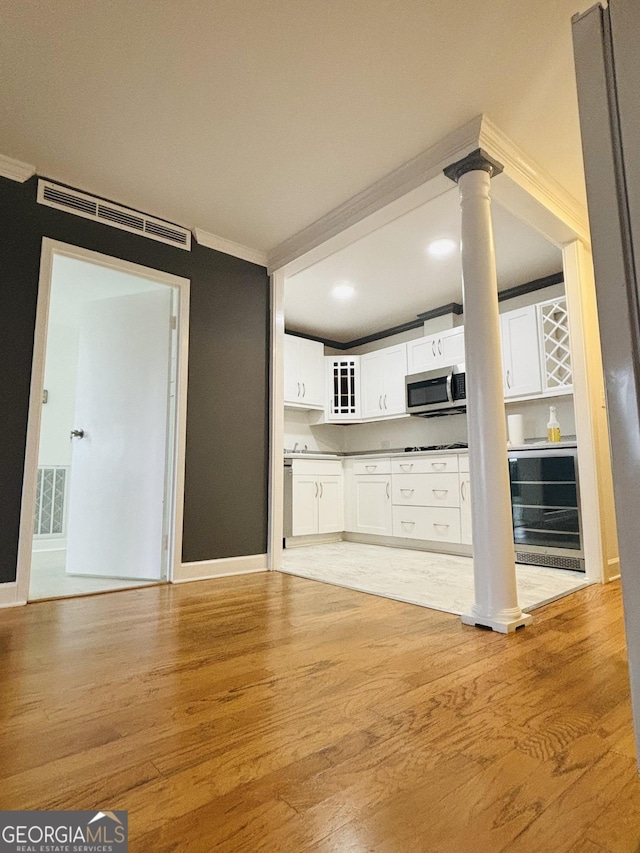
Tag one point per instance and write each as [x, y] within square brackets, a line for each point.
[441, 248]
[343, 290]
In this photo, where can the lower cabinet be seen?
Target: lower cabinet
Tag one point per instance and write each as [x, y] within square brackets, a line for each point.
[426, 499]
[465, 501]
[369, 497]
[318, 497]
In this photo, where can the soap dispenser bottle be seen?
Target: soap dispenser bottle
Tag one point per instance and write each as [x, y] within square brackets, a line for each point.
[553, 427]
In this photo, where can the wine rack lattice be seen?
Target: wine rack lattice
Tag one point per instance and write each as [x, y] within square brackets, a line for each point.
[556, 349]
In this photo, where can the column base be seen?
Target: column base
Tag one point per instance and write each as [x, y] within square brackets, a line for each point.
[504, 625]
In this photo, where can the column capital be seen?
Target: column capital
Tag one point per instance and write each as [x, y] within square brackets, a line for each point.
[476, 161]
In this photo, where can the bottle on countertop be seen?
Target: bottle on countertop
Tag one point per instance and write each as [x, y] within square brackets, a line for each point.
[553, 427]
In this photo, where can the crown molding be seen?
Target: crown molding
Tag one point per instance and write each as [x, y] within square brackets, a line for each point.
[16, 170]
[228, 247]
[410, 176]
[534, 180]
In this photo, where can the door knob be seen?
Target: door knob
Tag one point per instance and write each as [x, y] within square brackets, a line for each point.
[76, 433]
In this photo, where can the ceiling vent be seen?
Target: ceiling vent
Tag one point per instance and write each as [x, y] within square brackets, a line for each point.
[90, 207]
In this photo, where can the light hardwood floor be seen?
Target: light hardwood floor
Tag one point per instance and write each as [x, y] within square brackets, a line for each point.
[274, 713]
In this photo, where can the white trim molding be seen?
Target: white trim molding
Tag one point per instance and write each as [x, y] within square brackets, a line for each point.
[534, 180]
[228, 247]
[9, 596]
[15, 170]
[223, 567]
[410, 176]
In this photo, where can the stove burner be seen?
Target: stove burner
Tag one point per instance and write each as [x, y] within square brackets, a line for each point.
[454, 446]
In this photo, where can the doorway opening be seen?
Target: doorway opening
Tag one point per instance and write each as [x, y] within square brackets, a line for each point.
[103, 499]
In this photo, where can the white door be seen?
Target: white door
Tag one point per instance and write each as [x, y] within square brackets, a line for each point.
[521, 352]
[372, 496]
[312, 372]
[395, 370]
[305, 505]
[330, 504]
[117, 484]
[372, 383]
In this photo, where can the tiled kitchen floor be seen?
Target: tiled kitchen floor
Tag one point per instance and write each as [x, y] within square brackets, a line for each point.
[440, 581]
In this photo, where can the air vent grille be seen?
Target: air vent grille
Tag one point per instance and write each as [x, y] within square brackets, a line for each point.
[551, 560]
[73, 201]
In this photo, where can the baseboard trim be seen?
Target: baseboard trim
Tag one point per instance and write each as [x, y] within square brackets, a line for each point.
[224, 567]
[454, 548]
[9, 595]
[312, 539]
[613, 569]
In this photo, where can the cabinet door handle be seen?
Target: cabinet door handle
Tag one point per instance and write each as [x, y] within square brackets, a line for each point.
[441, 528]
[316, 494]
[380, 402]
[304, 390]
[407, 523]
[385, 401]
[298, 389]
[371, 468]
[440, 493]
[433, 347]
[406, 466]
[407, 492]
[463, 491]
[388, 495]
[439, 466]
[440, 346]
[321, 490]
[508, 379]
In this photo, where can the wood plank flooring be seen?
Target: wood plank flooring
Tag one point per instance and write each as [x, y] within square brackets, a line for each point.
[273, 713]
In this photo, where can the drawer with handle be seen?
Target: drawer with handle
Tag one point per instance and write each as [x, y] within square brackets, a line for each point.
[438, 524]
[372, 466]
[425, 464]
[425, 490]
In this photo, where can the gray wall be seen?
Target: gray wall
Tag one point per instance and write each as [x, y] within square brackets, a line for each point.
[226, 482]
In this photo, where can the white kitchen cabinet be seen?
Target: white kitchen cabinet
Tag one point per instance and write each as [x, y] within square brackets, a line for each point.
[465, 501]
[317, 497]
[369, 497]
[443, 349]
[382, 382]
[555, 346]
[425, 493]
[343, 388]
[521, 352]
[304, 377]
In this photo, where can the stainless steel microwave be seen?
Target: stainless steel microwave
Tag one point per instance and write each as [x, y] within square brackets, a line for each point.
[436, 392]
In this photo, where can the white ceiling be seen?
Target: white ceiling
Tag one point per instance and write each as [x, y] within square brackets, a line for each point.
[253, 118]
[395, 278]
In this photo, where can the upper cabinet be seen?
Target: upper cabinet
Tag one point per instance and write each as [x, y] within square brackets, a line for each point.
[343, 380]
[382, 382]
[443, 349]
[521, 352]
[304, 378]
[555, 350]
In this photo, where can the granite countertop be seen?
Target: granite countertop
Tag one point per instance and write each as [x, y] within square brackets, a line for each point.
[567, 443]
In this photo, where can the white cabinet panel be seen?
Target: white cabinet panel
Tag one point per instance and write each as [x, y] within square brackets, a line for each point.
[520, 352]
[465, 507]
[425, 465]
[303, 373]
[426, 490]
[371, 496]
[382, 382]
[424, 522]
[318, 497]
[305, 505]
[330, 504]
[443, 349]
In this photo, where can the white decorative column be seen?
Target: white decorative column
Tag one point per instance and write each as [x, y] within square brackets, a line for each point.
[496, 600]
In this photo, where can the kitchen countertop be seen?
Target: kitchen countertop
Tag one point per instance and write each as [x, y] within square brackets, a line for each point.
[399, 452]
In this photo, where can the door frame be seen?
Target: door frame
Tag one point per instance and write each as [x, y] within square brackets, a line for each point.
[175, 487]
